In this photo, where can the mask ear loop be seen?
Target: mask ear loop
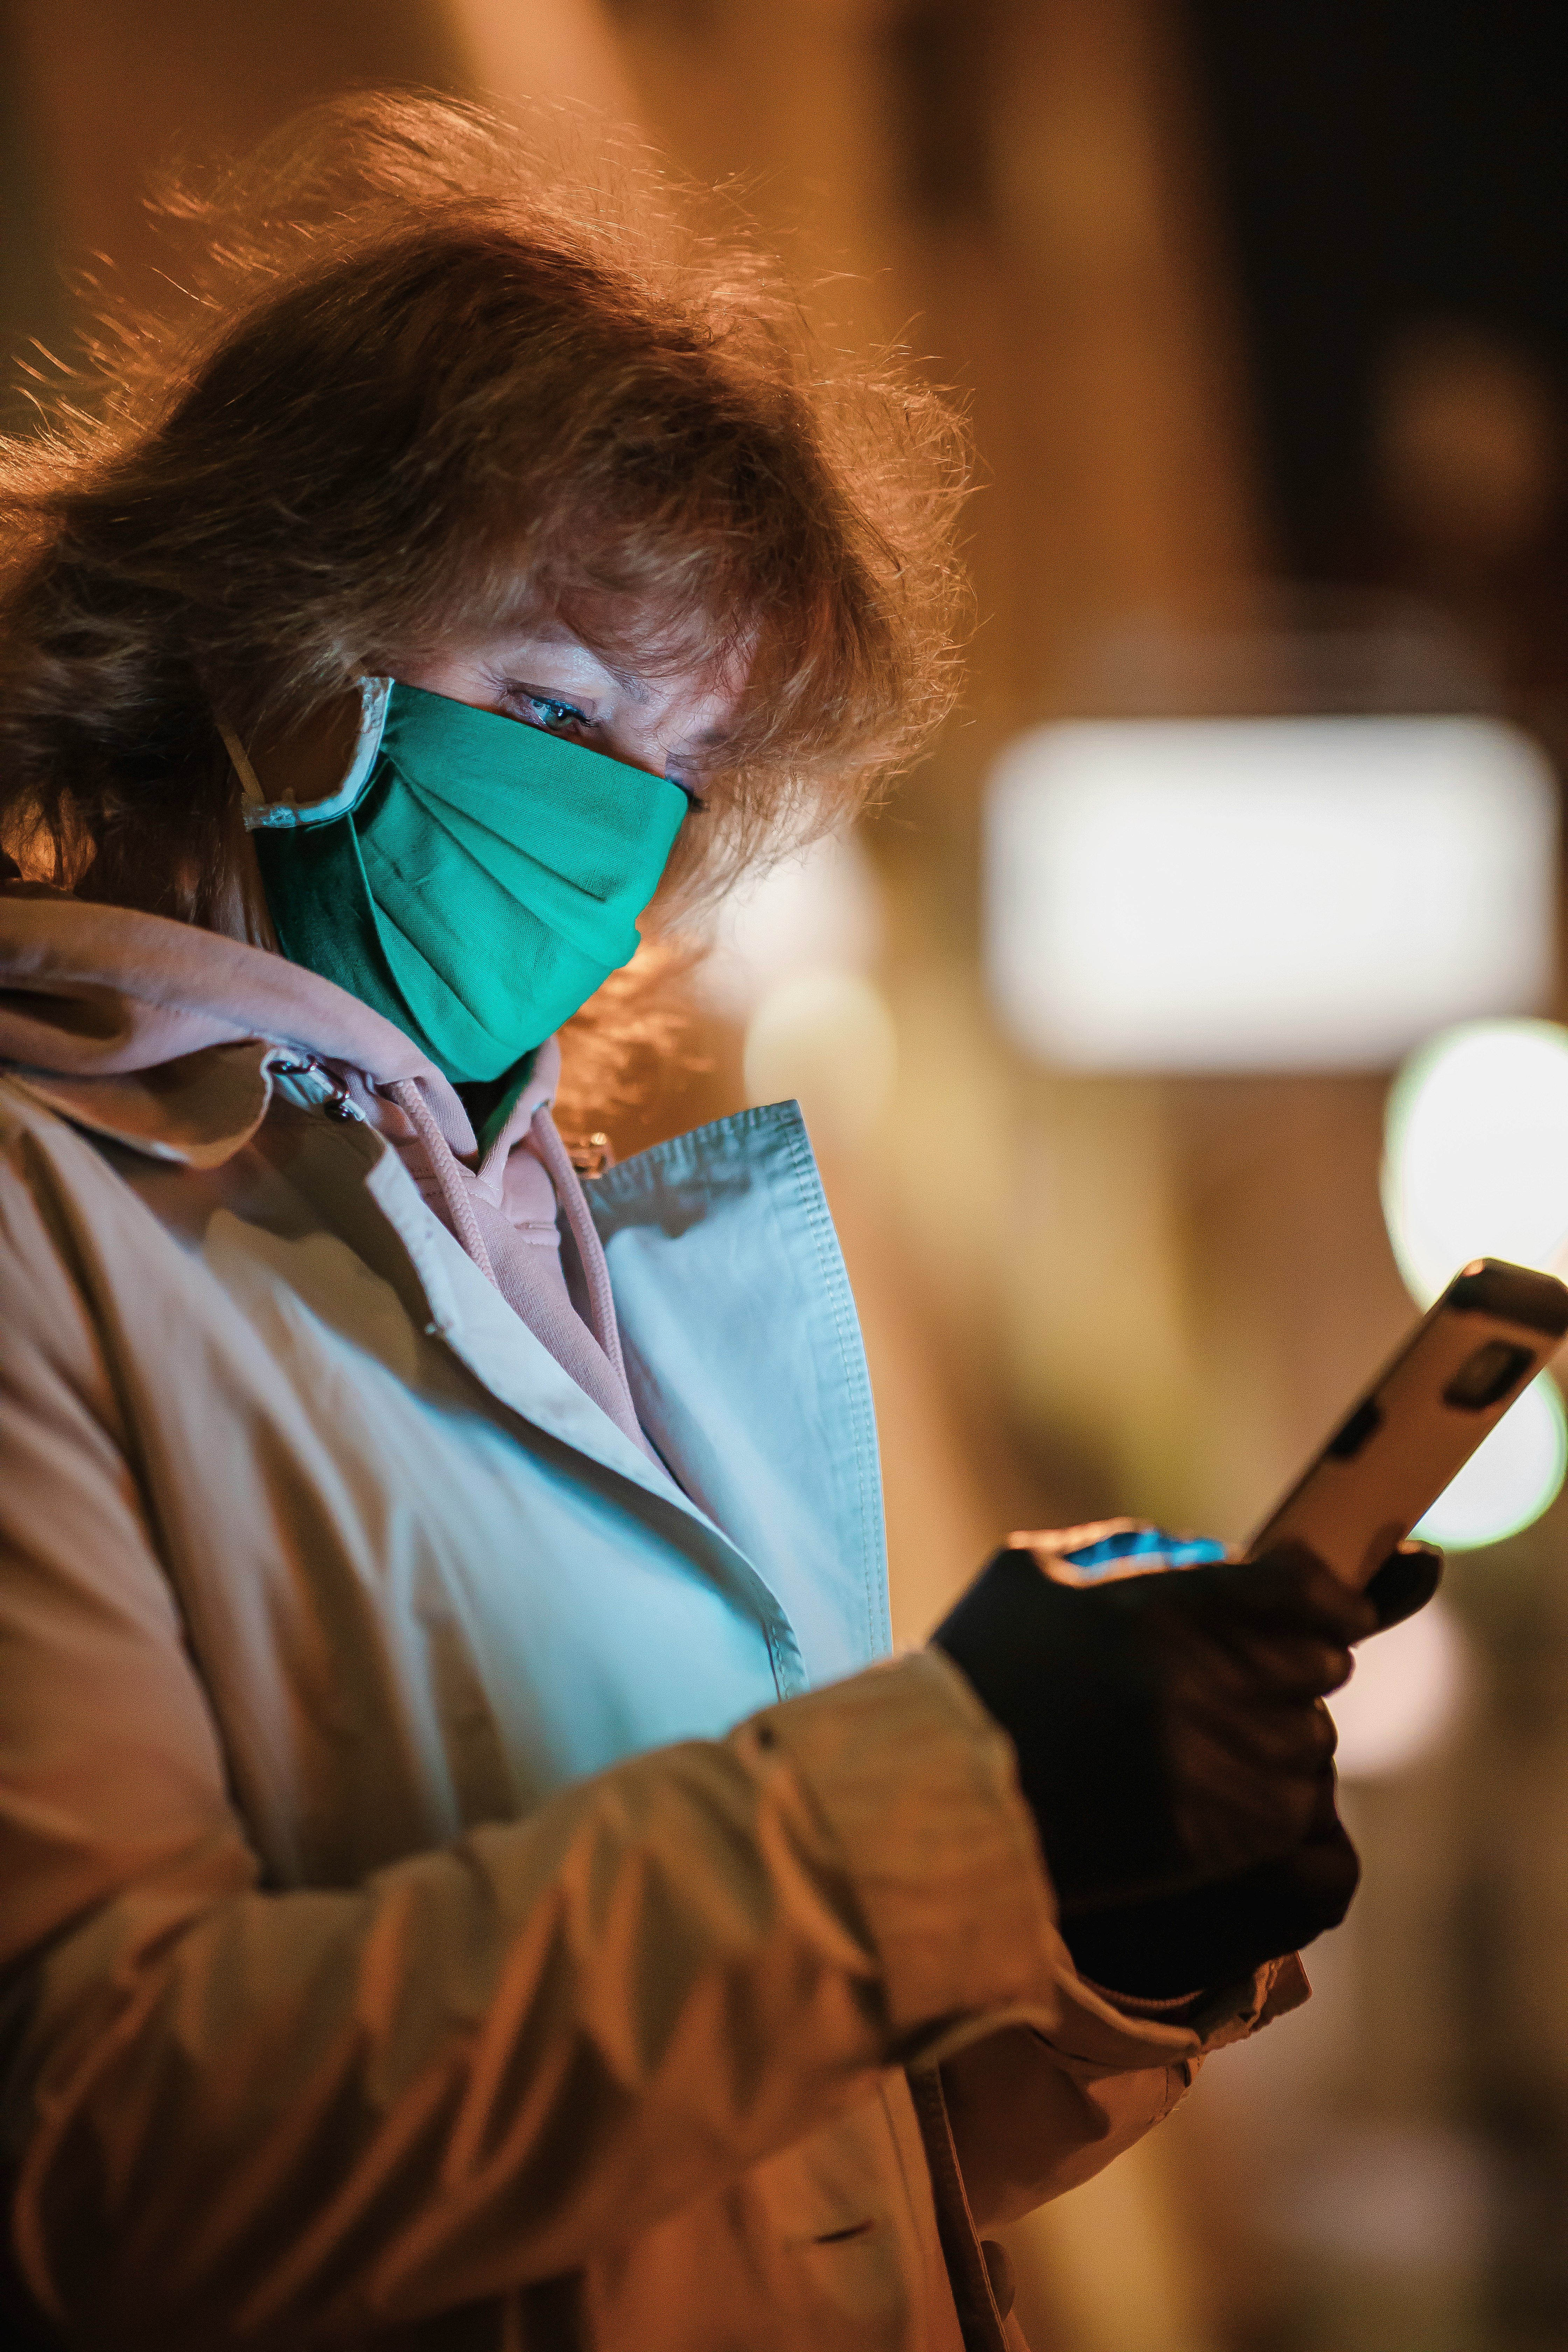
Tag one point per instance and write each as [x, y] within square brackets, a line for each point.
[249, 786]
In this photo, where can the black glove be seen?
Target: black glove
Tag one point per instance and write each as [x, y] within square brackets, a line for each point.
[1185, 1944]
[1173, 1749]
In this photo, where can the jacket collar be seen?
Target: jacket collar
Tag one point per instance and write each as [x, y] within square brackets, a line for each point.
[169, 1041]
[90, 992]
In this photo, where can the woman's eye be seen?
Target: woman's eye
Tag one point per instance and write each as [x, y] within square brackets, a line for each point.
[543, 711]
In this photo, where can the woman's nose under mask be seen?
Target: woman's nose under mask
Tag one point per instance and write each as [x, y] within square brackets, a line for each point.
[473, 878]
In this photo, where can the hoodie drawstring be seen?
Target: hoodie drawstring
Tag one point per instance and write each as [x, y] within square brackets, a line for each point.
[543, 1138]
[544, 1141]
[406, 1094]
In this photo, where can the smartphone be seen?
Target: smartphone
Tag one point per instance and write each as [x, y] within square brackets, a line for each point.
[1421, 1420]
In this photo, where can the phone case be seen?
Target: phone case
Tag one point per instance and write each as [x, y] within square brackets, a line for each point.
[1423, 1417]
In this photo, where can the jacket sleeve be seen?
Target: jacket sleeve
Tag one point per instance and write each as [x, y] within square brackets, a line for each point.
[292, 2118]
[1033, 2110]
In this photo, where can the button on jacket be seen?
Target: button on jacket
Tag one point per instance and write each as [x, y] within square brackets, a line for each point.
[470, 1874]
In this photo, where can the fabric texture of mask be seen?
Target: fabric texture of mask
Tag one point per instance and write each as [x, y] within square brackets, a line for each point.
[475, 879]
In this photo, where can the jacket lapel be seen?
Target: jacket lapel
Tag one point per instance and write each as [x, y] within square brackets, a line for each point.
[745, 1356]
[742, 1342]
[471, 1319]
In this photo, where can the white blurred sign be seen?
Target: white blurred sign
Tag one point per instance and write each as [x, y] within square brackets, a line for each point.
[1265, 894]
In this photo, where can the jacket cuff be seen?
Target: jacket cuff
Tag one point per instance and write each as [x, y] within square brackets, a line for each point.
[1106, 2029]
[918, 1790]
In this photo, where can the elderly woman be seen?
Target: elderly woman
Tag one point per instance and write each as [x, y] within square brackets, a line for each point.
[472, 1877]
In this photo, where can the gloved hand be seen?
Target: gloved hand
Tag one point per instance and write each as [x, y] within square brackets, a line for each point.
[1166, 1705]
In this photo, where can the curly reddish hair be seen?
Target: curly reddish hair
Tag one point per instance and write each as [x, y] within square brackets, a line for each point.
[425, 373]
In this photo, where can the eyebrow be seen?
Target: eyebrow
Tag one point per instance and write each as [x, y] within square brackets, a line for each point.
[627, 680]
[711, 738]
[555, 634]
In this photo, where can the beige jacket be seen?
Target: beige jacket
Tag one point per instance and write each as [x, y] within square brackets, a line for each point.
[438, 1907]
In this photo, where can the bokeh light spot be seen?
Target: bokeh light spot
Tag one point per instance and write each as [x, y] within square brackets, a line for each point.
[1476, 1161]
[1406, 1697]
[826, 1037]
[1513, 1475]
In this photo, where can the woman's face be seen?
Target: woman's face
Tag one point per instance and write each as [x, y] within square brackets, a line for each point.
[549, 679]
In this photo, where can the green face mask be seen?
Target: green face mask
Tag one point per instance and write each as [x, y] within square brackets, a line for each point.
[473, 878]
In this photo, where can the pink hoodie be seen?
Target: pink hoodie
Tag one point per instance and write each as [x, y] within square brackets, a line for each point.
[89, 995]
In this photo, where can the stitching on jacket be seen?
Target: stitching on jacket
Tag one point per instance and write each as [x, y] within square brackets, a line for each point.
[830, 1260]
[680, 1160]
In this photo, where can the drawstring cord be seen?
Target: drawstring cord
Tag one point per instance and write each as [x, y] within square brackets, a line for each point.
[406, 1094]
[544, 1138]
[545, 1143]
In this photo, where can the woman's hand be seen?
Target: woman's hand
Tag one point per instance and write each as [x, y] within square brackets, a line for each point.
[1172, 1739]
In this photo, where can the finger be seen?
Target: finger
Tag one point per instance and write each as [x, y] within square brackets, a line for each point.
[1405, 1583]
[1326, 1819]
[1234, 1647]
[1261, 1817]
[1280, 1672]
[1292, 1589]
[1260, 1664]
[1264, 1744]
[1323, 1875]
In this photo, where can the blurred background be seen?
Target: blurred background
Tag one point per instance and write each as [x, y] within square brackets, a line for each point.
[1191, 1013]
